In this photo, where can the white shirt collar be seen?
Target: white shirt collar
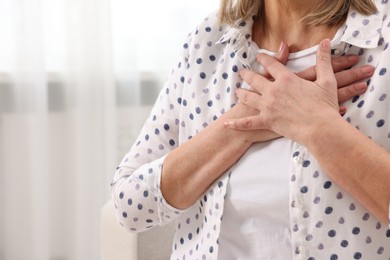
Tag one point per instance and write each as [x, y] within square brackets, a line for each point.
[359, 30]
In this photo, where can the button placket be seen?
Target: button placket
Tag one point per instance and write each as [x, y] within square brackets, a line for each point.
[297, 210]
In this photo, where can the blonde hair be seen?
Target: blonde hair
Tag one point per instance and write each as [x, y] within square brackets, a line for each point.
[328, 12]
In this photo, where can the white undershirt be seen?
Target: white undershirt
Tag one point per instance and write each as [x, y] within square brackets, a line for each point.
[256, 223]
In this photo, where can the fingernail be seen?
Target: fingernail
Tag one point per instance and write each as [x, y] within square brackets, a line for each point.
[281, 46]
[361, 86]
[368, 69]
[326, 44]
[227, 124]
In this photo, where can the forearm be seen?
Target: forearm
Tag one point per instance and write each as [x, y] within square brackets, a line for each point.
[355, 162]
[192, 167]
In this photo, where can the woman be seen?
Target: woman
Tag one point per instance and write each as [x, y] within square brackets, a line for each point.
[213, 161]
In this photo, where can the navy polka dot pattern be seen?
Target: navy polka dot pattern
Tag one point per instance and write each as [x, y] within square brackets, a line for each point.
[326, 222]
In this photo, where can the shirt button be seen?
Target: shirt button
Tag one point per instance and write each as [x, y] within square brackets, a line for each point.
[299, 250]
[298, 159]
[337, 52]
[298, 203]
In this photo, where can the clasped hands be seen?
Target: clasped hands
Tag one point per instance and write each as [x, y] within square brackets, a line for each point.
[292, 104]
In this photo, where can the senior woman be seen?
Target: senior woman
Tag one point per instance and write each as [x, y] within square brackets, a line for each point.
[249, 153]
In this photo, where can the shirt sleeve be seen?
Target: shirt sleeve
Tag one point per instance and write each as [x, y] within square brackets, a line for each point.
[135, 188]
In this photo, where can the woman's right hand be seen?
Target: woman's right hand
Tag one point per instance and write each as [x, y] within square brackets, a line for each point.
[241, 110]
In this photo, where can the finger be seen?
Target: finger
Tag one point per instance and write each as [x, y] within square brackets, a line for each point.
[281, 56]
[342, 110]
[350, 91]
[324, 64]
[272, 65]
[338, 64]
[247, 123]
[350, 76]
[308, 74]
[344, 62]
[254, 80]
[249, 98]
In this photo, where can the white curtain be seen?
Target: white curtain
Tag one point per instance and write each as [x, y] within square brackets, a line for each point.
[77, 78]
[57, 126]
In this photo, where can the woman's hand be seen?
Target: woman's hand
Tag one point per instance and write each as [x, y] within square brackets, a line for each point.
[349, 80]
[290, 105]
[242, 110]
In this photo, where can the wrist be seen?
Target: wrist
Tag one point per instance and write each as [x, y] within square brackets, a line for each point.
[323, 127]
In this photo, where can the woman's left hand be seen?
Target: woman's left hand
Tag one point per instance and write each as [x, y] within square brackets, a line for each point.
[289, 105]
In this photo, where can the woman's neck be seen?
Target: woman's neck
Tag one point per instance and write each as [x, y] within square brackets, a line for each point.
[282, 21]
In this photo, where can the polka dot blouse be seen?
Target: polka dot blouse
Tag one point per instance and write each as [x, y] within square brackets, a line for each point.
[326, 222]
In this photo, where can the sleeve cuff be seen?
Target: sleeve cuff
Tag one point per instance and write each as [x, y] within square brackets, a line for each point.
[166, 212]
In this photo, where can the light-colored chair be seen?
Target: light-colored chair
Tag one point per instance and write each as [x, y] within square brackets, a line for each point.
[115, 242]
[118, 244]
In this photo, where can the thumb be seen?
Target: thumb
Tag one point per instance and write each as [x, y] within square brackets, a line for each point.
[324, 63]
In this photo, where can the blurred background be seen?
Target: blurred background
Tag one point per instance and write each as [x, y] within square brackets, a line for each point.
[77, 81]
